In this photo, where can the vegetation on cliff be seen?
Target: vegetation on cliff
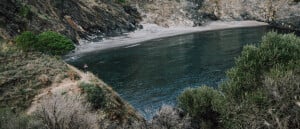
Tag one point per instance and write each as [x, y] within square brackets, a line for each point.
[74, 18]
[22, 74]
[262, 90]
[40, 91]
[46, 42]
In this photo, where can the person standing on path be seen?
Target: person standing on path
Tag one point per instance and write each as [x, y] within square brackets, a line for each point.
[85, 66]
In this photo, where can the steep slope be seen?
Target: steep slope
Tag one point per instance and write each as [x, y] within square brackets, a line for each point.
[280, 13]
[45, 86]
[114, 114]
[74, 18]
[79, 19]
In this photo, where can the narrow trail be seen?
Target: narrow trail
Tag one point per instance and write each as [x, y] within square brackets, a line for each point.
[67, 85]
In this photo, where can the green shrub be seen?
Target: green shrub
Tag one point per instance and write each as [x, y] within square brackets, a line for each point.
[276, 50]
[262, 90]
[95, 95]
[46, 42]
[26, 41]
[248, 93]
[203, 104]
[54, 43]
[121, 1]
[25, 12]
[284, 92]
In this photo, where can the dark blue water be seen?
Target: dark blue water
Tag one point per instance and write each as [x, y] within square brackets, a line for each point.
[156, 72]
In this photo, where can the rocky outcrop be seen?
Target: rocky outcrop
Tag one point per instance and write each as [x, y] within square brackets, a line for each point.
[168, 13]
[280, 13]
[74, 18]
[82, 18]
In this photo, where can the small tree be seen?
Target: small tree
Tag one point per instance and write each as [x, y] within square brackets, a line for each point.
[203, 104]
[275, 51]
[26, 41]
[48, 42]
[169, 117]
[54, 43]
[95, 95]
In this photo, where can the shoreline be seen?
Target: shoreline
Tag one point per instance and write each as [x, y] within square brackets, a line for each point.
[152, 31]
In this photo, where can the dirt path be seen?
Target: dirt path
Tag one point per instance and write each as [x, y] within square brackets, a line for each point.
[64, 86]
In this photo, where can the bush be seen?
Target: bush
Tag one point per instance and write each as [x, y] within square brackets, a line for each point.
[169, 117]
[95, 95]
[203, 104]
[262, 90]
[122, 1]
[275, 51]
[25, 12]
[54, 43]
[26, 41]
[46, 42]
[284, 92]
[251, 105]
[66, 112]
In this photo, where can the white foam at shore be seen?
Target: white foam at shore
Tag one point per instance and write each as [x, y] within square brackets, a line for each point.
[153, 31]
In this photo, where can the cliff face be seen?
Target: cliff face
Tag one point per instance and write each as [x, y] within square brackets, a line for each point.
[74, 18]
[280, 13]
[81, 18]
[168, 13]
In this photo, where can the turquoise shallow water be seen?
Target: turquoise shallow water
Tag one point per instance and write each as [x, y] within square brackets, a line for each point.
[156, 72]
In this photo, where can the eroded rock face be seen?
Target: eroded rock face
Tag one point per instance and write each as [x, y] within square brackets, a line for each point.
[166, 13]
[80, 18]
[10, 22]
[280, 13]
[173, 13]
[74, 18]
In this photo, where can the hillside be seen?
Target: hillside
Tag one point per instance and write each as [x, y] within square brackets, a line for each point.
[279, 13]
[84, 19]
[39, 90]
[73, 18]
[38, 84]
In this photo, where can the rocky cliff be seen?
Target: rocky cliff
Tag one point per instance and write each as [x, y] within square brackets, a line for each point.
[74, 18]
[82, 18]
[280, 13]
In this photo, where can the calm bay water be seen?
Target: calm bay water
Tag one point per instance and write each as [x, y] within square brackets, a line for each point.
[156, 72]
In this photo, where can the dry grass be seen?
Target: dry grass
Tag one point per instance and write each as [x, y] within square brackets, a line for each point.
[66, 112]
[40, 83]
[284, 91]
[22, 75]
[116, 112]
[169, 117]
